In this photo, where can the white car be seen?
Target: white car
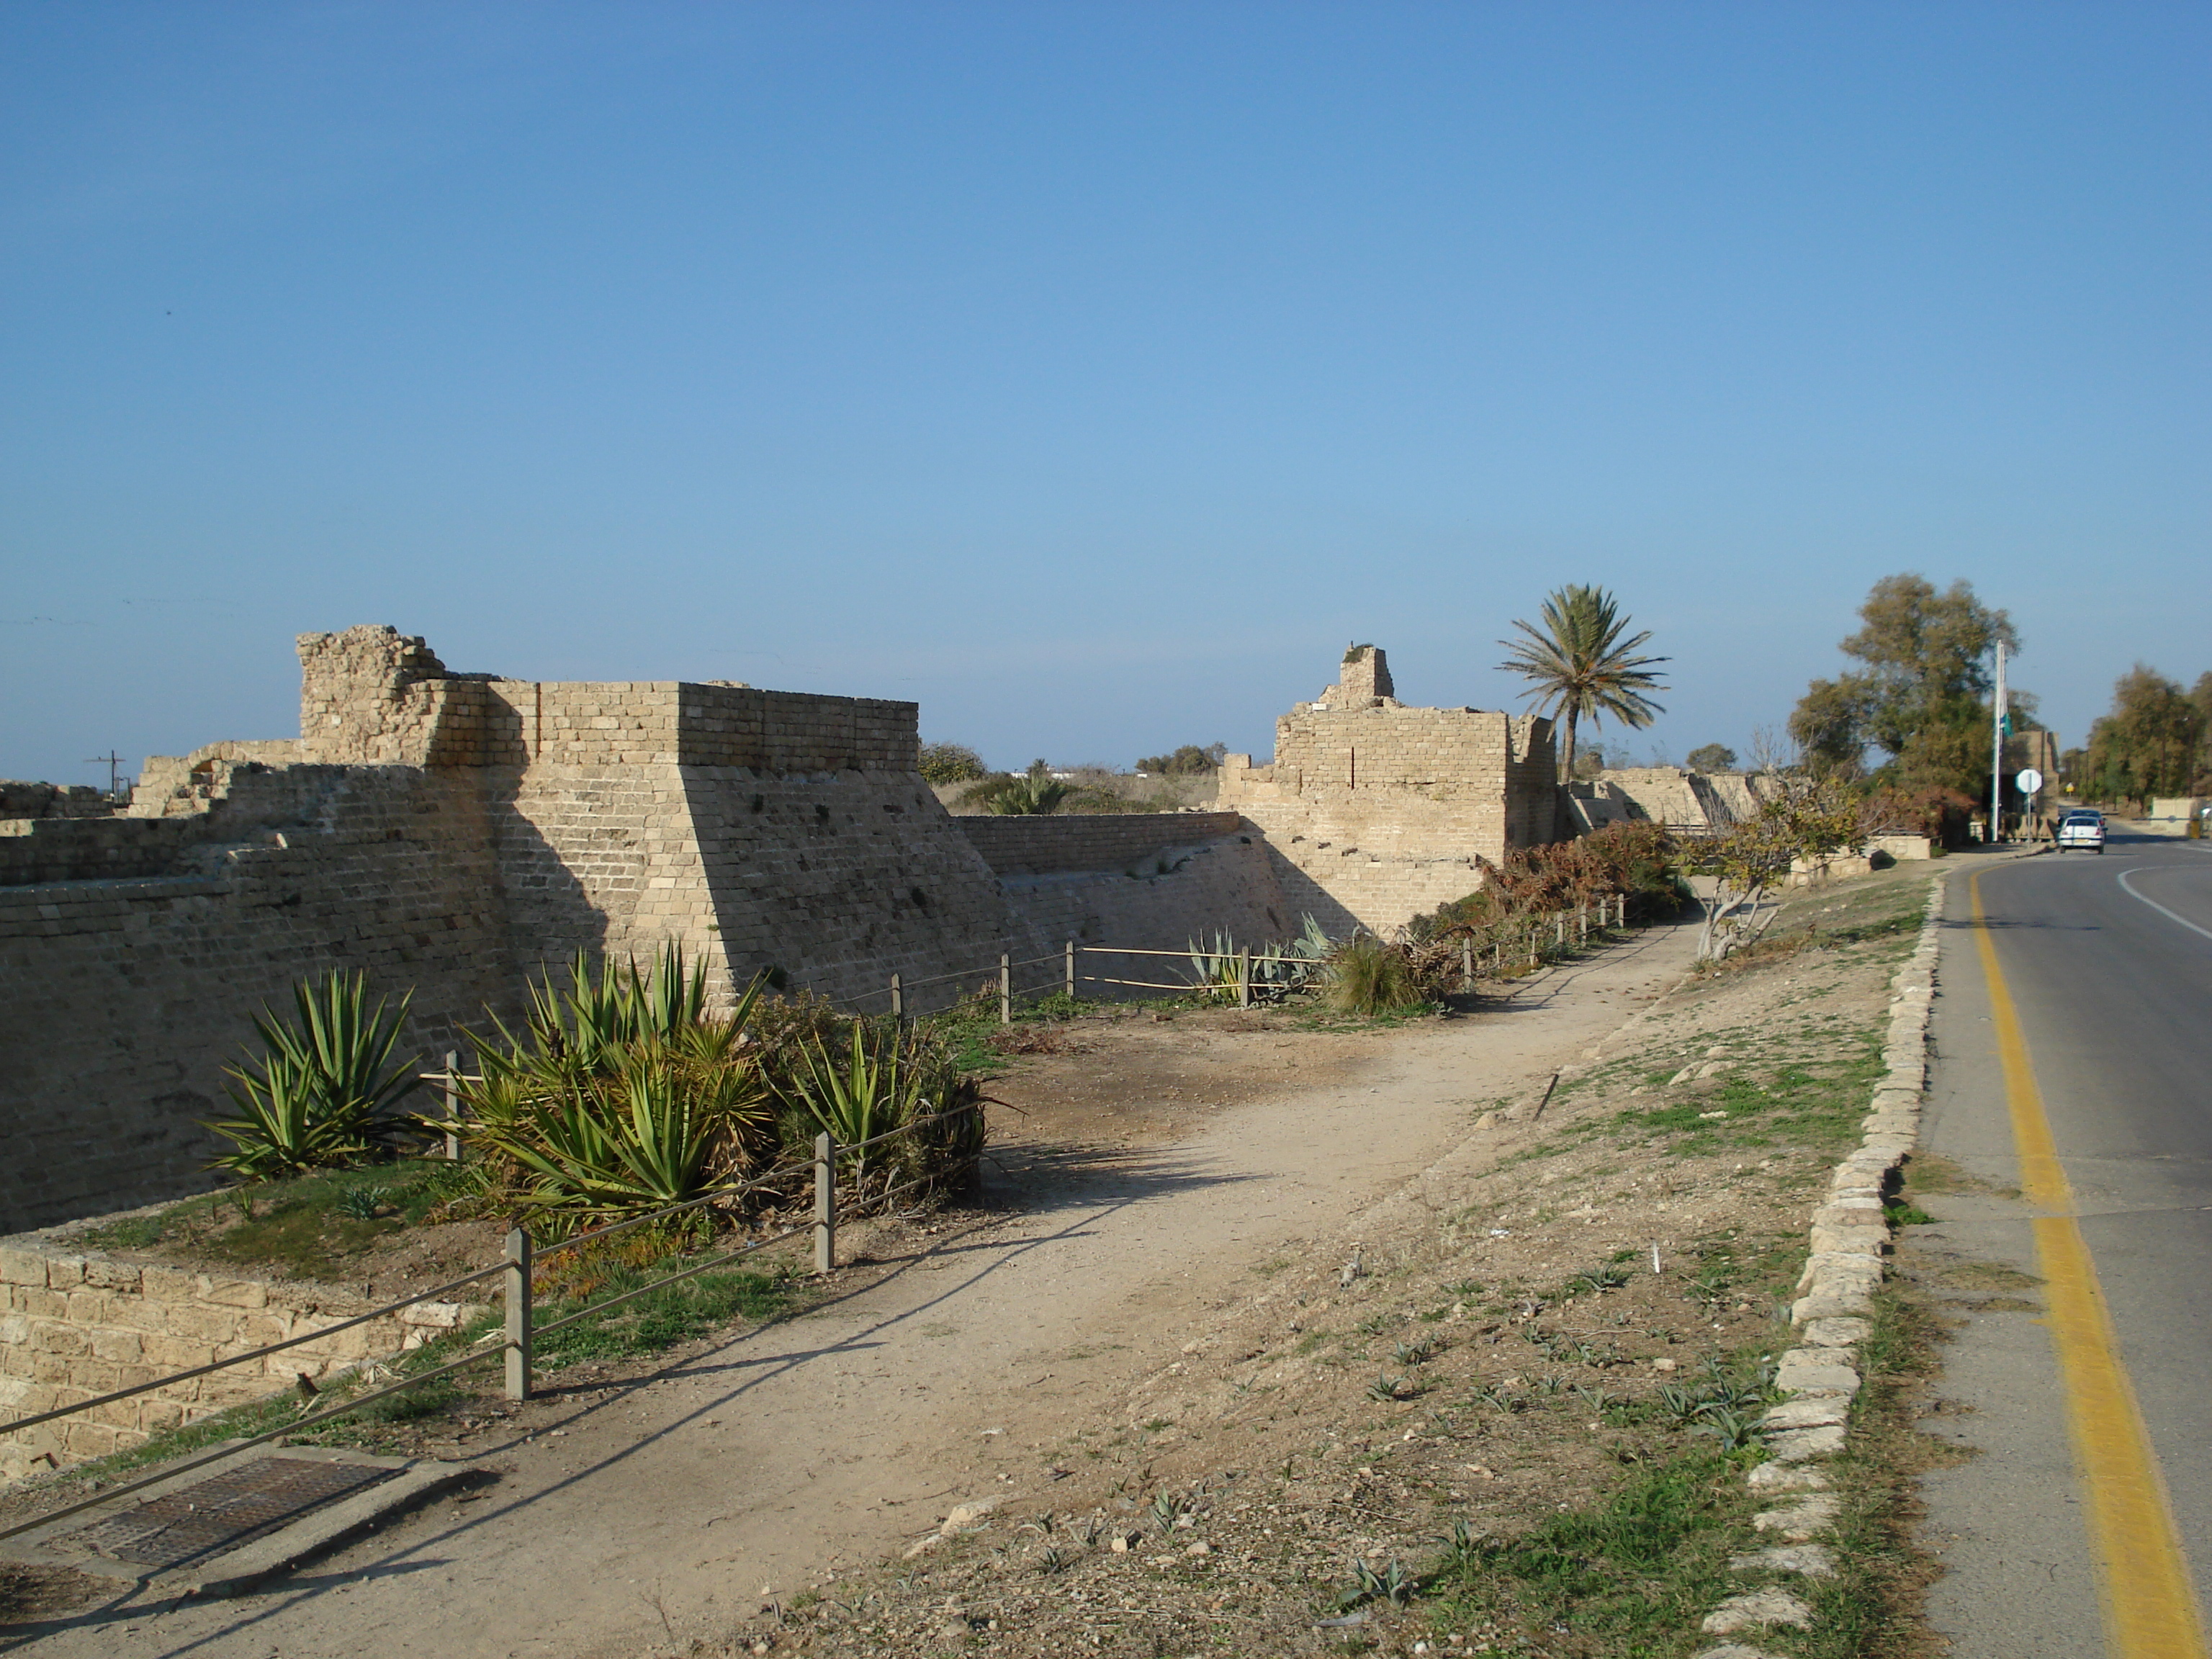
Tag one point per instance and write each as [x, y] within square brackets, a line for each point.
[2081, 830]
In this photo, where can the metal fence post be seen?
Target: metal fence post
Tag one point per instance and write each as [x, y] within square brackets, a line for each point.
[453, 1106]
[898, 998]
[1243, 976]
[825, 1204]
[518, 1314]
[1006, 989]
[1071, 970]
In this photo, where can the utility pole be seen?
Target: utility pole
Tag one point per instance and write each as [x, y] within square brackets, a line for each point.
[1996, 754]
[114, 762]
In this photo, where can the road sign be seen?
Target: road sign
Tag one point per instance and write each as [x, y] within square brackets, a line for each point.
[2029, 781]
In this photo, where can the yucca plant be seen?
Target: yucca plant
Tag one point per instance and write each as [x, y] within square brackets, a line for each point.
[321, 1095]
[622, 1093]
[657, 1128]
[863, 1093]
[882, 1079]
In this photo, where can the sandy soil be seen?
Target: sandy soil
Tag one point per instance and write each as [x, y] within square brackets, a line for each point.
[1126, 1211]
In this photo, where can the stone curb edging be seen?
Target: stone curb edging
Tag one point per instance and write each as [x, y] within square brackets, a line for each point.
[1848, 1238]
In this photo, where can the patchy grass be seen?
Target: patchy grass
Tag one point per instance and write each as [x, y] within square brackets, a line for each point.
[660, 1318]
[1630, 1575]
[310, 1227]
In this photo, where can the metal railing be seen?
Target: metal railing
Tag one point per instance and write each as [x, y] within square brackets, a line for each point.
[519, 1258]
[1516, 938]
[520, 1255]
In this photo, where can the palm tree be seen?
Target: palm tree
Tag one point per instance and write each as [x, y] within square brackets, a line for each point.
[1579, 665]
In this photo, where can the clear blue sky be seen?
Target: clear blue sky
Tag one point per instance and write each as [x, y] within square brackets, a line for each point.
[1090, 374]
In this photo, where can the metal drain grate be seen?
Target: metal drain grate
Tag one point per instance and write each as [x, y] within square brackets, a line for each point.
[225, 1511]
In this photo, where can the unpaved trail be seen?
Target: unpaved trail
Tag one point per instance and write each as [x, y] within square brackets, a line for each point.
[639, 1515]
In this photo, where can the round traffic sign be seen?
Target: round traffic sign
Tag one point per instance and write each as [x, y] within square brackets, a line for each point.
[2029, 781]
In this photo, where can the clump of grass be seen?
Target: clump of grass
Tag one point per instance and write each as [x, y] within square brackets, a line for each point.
[1369, 977]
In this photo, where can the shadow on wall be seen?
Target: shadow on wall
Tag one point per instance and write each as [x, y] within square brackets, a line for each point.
[122, 1001]
[1303, 897]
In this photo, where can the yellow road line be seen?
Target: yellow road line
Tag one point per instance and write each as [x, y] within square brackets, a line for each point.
[2149, 1601]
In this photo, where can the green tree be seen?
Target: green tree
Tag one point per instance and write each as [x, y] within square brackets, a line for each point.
[951, 763]
[1923, 695]
[1579, 666]
[1712, 758]
[2200, 695]
[1189, 761]
[2151, 744]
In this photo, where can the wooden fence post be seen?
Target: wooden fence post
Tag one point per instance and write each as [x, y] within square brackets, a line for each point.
[1006, 988]
[1466, 964]
[825, 1204]
[898, 997]
[1071, 970]
[453, 1092]
[517, 1256]
[1243, 976]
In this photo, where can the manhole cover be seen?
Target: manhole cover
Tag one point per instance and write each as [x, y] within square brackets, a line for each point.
[225, 1509]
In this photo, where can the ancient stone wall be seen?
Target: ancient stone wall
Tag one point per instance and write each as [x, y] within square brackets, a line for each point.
[1151, 881]
[456, 834]
[1694, 801]
[476, 831]
[1030, 845]
[121, 1001]
[22, 800]
[78, 1326]
[1375, 811]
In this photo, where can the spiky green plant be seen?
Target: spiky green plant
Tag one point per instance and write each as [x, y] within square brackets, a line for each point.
[654, 1129]
[622, 1093]
[321, 1095]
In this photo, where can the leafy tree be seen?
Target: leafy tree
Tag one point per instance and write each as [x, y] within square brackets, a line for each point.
[1712, 758]
[951, 763]
[1579, 665]
[1923, 695]
[1804, 815]
[2151, 744]
[1189, 761]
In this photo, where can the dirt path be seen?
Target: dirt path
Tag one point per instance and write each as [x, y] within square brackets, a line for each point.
[641, 1514]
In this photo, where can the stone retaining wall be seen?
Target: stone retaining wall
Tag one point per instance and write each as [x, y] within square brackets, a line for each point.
[1833, 1315]
[80, 1326]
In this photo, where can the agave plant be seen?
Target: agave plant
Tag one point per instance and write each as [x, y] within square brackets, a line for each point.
[622, 1094]
[321, 1095]
[1218, 972]
[659, 1129]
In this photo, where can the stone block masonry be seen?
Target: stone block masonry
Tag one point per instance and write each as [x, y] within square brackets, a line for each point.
[78, 1326]
[1375, 811]
[454, 835]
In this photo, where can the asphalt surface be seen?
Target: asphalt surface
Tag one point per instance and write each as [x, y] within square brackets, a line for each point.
[2109, 961]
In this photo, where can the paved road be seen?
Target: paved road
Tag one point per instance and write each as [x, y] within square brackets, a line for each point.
[2108, 964]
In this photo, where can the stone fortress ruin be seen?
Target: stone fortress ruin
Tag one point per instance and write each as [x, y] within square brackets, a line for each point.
[454, 835]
